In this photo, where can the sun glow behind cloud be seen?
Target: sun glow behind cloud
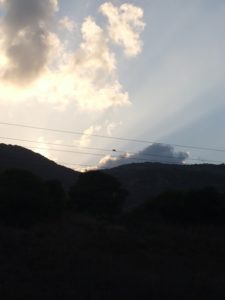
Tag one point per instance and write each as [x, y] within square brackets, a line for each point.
[88, 71]
[37, 64]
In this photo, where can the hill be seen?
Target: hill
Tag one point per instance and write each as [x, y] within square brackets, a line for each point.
[141, 180]
[150, 179]
[76, 255]
[22, 158]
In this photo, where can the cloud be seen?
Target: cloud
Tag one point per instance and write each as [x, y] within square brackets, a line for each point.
[95, 68]
[155, 153]
[124, 26]
[37, 64]
[111, 126]
[104, 129]
[85, 139]
[26, 38]
[68, 24]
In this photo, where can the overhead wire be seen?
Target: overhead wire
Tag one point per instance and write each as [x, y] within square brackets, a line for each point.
[140, 158]
[60, 144]
[111, 137]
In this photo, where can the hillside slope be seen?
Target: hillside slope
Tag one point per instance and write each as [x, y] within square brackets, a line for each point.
[19, 157]
[142, 180]
[150, 179]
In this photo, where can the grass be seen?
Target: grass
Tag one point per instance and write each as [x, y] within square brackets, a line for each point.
[79, 257]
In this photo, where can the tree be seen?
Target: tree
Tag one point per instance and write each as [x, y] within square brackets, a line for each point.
[97, 193]
[26, 199]
[195, 205]
[56, 197]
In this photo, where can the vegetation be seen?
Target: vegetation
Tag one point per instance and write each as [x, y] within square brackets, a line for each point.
[26, 199]
[204, 205]
[57, 246]
[97, 193]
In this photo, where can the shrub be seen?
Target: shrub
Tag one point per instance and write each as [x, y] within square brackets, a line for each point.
[56, 197]
[26, 199]
[202, 205]
[97, 193]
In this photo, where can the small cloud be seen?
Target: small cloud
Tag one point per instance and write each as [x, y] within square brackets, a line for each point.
[85, 139]
[110, 161]
[104, 129]
[111, 126]
[125, 23]
[154, 153]
[68, 24]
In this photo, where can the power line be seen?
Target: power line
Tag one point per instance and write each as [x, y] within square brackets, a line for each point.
[72, 164]
[90, 148]
[170, 158]
[60, 145]
[68, 151]
[111, 137]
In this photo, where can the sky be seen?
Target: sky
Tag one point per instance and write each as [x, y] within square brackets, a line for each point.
[133, 80]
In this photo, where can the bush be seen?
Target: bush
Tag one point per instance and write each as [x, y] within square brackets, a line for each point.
[56, 198]
[26, 199]
[97, 193]
[202, 205]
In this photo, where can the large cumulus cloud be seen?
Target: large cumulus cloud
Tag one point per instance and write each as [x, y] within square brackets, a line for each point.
[36, 62]
[154, 153]
[26, 38]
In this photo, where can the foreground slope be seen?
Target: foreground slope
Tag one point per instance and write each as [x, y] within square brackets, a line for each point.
[83, 259]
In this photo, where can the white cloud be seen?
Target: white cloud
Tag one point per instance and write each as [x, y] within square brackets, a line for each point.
[111, 126]
[94, 53]
[101, 129]
[125, 23]
[85, 139]
[97, 85]
[154, 153]
[68, 24]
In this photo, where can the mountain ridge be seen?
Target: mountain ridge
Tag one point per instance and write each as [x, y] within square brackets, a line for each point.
[144, 180]
[141, 180]
[13, 156]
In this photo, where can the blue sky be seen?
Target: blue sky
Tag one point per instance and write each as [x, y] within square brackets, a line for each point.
[158, 76]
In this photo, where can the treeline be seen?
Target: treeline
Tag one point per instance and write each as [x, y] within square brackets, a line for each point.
[202, 206]
[26, 199]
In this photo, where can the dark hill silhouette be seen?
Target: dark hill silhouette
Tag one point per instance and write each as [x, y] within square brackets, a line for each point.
[22, 158]
[150, 179]
[141, 180]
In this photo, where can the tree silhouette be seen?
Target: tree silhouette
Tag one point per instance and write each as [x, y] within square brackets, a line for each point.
[26, 199]
[56, 197]
[97, 193]
[194, 205]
